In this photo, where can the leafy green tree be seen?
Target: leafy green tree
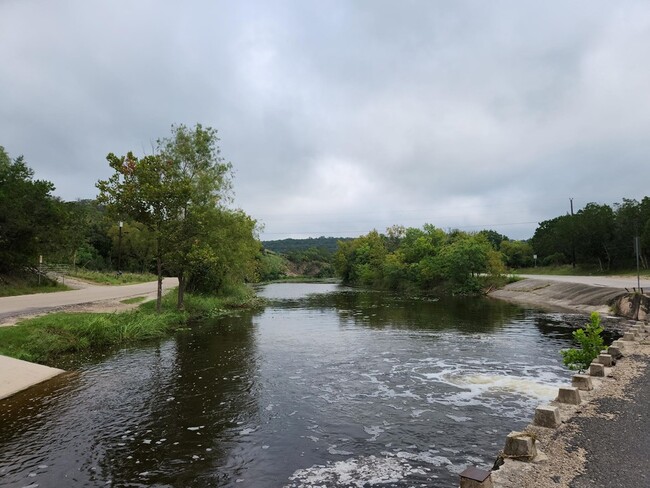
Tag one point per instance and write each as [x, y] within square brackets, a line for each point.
[464, 260]
[30, 216]
[226, 255]
[518, 254]
[595, 234]
[147, 190]
[628, 225]
[494, 238]
[554, 238]
[179, 194]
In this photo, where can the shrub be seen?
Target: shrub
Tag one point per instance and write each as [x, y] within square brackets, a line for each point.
[591, 343]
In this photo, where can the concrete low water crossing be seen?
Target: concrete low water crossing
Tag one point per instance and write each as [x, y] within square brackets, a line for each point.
[327, 386]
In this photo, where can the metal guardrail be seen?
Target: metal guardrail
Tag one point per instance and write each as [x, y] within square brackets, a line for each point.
[54, 271]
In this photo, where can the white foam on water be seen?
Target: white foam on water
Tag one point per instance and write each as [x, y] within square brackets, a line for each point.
[338, 452]
[493, 383]
[459, 418]
[374, 431]
[354, 472]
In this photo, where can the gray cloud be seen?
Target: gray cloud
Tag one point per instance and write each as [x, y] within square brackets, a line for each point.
[344, 116]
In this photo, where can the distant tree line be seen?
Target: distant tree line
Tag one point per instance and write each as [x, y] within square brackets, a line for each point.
[322, 244]
[597, 235]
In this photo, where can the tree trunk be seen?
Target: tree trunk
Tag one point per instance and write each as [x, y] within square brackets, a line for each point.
[180, 305]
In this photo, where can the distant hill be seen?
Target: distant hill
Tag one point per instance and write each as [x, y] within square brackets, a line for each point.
[286, 246]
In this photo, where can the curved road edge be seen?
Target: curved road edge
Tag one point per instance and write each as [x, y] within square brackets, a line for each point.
[25, 305]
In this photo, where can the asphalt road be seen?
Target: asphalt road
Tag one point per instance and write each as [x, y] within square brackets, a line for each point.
[609, 281]
[42, 302]
[617, 448]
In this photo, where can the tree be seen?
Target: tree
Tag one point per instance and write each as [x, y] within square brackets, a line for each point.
[595, 233]
[518, 254]
[177, 193]
[553, 239]
[493, 238]
[30, 216]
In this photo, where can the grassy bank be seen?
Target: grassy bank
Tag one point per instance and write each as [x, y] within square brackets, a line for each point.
[43, 338]
[27, 284]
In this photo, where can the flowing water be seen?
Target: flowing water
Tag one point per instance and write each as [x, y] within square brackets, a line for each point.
[326, 387]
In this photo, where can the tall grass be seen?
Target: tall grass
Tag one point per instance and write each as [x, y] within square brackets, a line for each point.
[43, 338]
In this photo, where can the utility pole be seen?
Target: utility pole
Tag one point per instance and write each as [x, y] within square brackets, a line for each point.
[573, 236]
[119, 249]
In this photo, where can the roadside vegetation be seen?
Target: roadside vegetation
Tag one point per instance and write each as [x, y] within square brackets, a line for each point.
[27, 284]
[45, 338]
[111, 277]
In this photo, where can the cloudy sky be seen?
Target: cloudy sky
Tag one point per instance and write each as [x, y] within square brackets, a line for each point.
[344, 116]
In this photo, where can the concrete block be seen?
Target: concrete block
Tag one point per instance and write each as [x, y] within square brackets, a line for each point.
[476, 478]
[620, 344]
[570, 395]
[547, 416]
[615, 352]
[596, 369]
[520, 445]
[629, 336]
[582, 382]
[606, 360]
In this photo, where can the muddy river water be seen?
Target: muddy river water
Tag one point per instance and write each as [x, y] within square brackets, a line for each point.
[326, 386]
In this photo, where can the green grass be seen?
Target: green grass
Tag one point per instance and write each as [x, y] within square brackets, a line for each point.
[133, 300]
[44, 338]
[111, 277]
[27, 284]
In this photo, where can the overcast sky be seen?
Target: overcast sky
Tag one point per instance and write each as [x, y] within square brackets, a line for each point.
[344, 116]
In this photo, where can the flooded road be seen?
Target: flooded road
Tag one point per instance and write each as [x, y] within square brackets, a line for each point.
[326, 387]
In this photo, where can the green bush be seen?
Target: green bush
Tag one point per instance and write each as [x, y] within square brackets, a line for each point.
[591, 343]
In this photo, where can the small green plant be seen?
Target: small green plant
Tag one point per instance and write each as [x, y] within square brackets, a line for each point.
[591, 343]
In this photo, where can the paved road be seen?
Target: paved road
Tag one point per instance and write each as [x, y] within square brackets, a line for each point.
[609, 281]
[618, 447]
[41, 302]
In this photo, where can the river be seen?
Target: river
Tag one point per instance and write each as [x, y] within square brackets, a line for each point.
[326, 386]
